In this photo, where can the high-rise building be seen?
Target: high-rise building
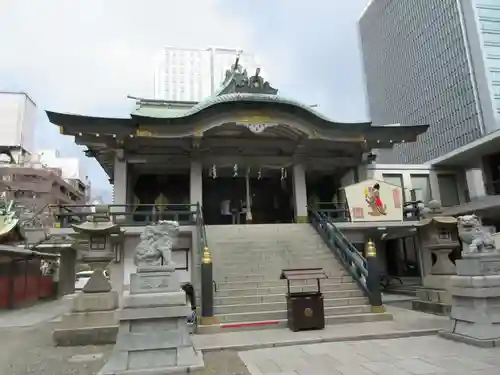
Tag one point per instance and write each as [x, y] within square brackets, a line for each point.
[432, 62]
[185, 74]
[17, 122]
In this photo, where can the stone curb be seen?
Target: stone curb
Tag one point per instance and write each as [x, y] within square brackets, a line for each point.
[319, 340]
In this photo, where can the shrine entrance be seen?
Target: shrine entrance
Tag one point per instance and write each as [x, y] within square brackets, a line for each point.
[241, 195]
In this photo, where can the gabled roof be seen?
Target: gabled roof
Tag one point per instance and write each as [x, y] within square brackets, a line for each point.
[238, 92]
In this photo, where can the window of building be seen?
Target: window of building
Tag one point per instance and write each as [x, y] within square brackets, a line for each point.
[422, 187]
[396, 179]
[448, 189]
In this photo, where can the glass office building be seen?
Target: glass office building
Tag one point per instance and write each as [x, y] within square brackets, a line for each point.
[432, 62]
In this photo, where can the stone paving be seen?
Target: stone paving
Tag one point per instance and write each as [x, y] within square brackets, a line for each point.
[38, 313]
[30, 351]
[405, 356]
[26, 348]
[405, 323]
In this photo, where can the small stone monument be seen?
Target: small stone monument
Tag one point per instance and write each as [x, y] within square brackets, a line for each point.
[153, 338]
[92, 320]
[475, 312]
[439, 236]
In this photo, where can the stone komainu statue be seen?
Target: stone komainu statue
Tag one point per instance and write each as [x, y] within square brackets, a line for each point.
[155, 246]
[474, 237]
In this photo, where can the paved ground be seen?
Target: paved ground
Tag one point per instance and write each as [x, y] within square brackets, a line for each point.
[41, 312]
[29, 351]
[405, 322]
[26, 348]
[406, 356]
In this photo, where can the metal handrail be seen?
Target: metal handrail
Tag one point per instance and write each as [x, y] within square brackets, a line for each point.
[200, 222]
[36, 214]
[350, 257]
[134, 214]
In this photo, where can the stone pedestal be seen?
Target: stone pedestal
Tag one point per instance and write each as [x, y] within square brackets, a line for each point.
[475, 312]
[435, 296]
[153, 338]
[92, 320]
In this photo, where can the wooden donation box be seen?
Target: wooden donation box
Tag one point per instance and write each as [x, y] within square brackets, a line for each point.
[305, 309]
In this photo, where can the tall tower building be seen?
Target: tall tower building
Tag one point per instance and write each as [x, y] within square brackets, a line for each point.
[185, 74]
[432, 62]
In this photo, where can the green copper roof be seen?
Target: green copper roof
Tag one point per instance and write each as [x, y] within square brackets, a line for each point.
[236, 87]
[238, 91]
[163, 112]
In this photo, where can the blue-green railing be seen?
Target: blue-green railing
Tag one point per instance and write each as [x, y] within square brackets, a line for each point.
[350, 257]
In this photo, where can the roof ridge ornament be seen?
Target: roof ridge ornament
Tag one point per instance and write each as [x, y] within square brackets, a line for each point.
[238, 81]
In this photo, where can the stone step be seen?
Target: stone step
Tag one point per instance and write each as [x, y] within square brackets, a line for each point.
[278, 306]
[313, 261]
[89, 319]
[274, 283]
[270, 298]
[258, 276]
[282, 314]
[251, 254]
[230, 259]
[273, 271]
[282, 323]
[273, 267]
[269, 243]
[256, 242]
[283, 289]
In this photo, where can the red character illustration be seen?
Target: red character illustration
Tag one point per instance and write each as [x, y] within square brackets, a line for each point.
[372, 197]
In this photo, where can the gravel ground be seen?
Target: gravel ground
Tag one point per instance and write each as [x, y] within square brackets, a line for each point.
[30, 351]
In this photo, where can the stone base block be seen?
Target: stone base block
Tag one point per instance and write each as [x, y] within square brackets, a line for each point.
[85, 336]
[154, 282]
[153, 338]
[89, 319]
[197, 364]
[434, 295]
[153, 346]
[437, 288]
[85, 302]
[431, 307]
[133, 301]
[480, 264]
[482, 343]
[154, 312]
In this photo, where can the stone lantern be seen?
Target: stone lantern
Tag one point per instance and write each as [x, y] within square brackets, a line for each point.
[439, 236]
[98, 241]
[92, 320]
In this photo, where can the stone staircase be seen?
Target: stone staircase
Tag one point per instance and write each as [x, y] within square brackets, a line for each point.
[248, 260]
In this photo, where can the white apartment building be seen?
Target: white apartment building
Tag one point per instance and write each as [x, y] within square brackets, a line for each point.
[17, 122]
[186, 74]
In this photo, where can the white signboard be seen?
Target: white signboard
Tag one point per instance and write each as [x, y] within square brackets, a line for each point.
[374, 200]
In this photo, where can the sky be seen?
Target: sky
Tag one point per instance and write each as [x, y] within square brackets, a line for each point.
[86, 56]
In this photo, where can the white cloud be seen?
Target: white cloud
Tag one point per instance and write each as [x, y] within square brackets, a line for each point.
[85, 56]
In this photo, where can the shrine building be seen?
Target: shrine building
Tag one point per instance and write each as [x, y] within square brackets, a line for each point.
[246, 144]
[245, 155]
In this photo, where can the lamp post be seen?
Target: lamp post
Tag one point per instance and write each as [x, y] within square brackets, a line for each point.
[207, 289]
[373, 278]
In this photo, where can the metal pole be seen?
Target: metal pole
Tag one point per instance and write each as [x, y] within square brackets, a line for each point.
[373, 278]
[207, 288]
[248, 218]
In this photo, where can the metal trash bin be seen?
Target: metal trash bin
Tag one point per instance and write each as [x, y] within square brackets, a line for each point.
[306, 310]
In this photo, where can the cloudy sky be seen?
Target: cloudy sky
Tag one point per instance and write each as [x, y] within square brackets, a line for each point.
[86, 56]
